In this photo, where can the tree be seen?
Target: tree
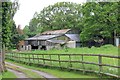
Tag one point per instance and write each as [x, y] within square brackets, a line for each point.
[32, 29]
[58, 16]
[8, 25]
[95, 20]
[8, 10]
[99, 19]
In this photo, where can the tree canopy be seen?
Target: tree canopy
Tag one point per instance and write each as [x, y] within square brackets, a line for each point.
[95, 20]
[8, 24]
[58, 16]
[99, 19]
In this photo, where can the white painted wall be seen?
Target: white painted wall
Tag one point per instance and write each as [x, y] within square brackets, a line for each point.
[117, 41]
[71, 44]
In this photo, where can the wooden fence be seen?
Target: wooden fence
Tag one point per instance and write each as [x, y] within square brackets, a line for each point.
[50, 59]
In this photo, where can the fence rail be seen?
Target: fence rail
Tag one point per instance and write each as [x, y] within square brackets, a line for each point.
[56, 60]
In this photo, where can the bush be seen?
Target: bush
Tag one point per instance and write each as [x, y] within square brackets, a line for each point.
[108, 46]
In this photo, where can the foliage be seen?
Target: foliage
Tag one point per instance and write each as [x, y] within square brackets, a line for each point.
[99, 19]
[16, 38]
[58, 16]
[95, 20]
[8, 25]
[29, 33]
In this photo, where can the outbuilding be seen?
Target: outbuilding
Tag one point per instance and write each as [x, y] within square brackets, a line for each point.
[53, 39]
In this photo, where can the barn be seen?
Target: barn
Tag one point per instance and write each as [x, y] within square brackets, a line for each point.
[53, 39]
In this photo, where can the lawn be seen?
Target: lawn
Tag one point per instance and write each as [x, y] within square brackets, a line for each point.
[106, 49]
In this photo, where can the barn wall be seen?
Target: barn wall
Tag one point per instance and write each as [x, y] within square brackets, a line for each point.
[117, 41]
[71, 44]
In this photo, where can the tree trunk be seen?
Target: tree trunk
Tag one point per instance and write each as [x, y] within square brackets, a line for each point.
[2, 60]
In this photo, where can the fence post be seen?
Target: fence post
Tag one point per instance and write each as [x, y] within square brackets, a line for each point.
[50, 59]
[83, 63]
[100, 64]
[29, 59]
[59, 60]
[70, 65]
[33, 58]
[19, 57]
[38, 58]
[43, 59]
[11, 56]
[25, 58]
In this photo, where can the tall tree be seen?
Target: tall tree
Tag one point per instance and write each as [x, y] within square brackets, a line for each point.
[58, 16]
[32, 29]
[99, 19]
[8, 11]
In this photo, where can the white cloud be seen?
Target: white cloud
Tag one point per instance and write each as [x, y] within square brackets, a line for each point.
[29, 7]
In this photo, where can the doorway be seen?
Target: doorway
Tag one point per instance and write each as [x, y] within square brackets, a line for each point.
[43, 48]
[34, 47]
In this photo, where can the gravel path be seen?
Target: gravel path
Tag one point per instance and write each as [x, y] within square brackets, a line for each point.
[45, 75]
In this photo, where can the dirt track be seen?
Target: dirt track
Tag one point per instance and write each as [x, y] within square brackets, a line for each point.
[22, 75]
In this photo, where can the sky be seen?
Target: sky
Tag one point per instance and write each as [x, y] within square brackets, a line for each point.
[29, 7]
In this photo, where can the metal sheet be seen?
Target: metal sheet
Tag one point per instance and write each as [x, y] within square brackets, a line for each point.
[74, 37]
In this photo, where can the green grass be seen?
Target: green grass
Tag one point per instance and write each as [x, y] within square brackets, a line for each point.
[106, 50]
[28, 73]
[57, 72]
[8, 74]
[31, 74]
[0, 76]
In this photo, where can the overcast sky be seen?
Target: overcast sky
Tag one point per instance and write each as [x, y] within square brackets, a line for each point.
[29, 7]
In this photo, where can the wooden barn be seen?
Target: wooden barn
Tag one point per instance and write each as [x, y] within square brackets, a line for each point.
[53, 39]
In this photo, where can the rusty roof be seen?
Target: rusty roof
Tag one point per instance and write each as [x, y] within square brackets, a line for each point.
[42, 37]
[63, 31]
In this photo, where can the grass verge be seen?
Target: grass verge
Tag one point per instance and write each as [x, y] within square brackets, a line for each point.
[106, 49]
[58, 73]
[8, 74]
[28, 73]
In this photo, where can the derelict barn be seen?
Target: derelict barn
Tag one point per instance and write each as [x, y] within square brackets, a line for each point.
[53, 39]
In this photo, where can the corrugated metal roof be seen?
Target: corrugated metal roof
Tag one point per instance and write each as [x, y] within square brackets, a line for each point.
[74, 37]
[42, 37]
[57, 41]
[63, 31]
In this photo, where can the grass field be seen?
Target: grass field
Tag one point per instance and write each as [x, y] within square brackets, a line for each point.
[106, 49]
